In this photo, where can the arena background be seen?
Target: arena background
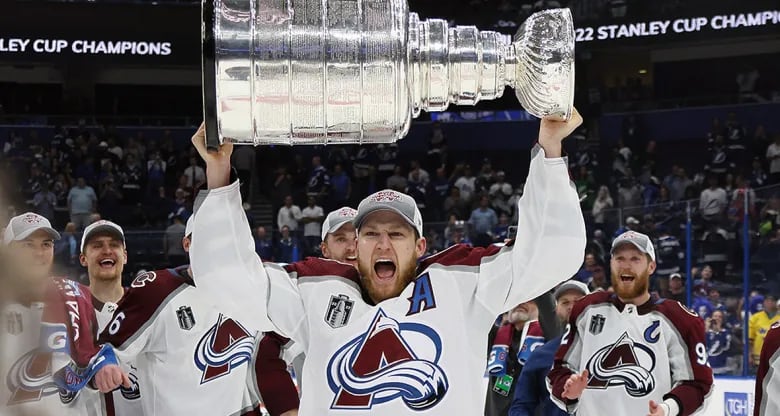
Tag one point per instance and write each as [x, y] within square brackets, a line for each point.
[673, 92]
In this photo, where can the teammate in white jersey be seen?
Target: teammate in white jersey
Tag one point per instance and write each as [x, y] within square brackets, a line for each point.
[104, 255]
[34, 345]
[630, 353]
[281, 398]
[192, 347]
[395, 337]
[767, 402]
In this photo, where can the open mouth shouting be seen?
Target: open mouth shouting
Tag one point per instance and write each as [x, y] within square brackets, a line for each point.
[627, 278]
[107, 263]
[384, 269]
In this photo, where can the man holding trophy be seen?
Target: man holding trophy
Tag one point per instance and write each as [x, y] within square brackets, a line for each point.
[395, 334]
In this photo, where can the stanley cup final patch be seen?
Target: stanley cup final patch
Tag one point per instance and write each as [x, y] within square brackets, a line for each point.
[597, 324]
[339, 310]
[186, 318]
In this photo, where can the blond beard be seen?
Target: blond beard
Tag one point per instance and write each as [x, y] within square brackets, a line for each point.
[641, 284]
[406, 273]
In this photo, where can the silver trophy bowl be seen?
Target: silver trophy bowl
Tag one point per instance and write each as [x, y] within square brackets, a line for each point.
[357, 71]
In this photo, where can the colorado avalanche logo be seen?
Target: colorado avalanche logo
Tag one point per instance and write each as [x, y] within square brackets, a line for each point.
[623, 364]
[29, 378]
[379, 366]
[224, 347]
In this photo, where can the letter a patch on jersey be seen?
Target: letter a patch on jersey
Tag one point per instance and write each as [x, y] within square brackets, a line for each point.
[339, 310]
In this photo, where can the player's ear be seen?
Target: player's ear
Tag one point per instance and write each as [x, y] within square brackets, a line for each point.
[420, 246]
[125, 253]
[324, 250]
[83, 259]
[651, 268]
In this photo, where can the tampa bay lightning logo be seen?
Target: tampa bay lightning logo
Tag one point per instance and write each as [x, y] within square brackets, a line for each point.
[379, 366]
[225, 346]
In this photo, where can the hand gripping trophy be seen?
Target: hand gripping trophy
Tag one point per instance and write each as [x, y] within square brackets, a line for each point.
[357, 71]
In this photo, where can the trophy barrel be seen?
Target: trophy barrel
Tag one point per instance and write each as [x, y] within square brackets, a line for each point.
[305, 71]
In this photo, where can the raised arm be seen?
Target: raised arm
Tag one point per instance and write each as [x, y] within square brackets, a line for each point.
[223, 258]
[550, 243]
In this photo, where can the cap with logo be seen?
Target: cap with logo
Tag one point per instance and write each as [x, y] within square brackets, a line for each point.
[101, 227]
[336, 219]
[389, 200]
[22, 226]
[641, 241]
[571, 285]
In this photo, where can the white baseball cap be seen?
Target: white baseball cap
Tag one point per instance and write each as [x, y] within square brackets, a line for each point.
[336, 219]
[102, 226]
[22, 226]
[571, 285]
[641, 241]
[389, 200]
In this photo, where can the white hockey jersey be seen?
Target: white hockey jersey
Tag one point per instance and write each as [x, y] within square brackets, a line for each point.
[768, 375]
[633, 354]
[122, 401]
[192, 352]
[423, 350]
[26, 364]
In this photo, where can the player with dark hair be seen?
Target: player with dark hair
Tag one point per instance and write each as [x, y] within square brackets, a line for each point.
[628, 352]
[394, 336]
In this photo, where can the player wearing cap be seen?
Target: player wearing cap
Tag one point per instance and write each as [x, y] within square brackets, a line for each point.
[628, 352]
[531, 390]
[281, 398]
[47, 326]
[104, 255]
[191, 347]
[395, 336]
[767, 402]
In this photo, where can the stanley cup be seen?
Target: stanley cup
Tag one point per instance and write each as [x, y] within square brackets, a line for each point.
[357, 71]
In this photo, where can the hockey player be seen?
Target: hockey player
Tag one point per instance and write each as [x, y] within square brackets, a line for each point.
[47, 325]
[281, 398]
[767, 379]
[395, 337]
[629, 353]
[104, 255]
[191, 347]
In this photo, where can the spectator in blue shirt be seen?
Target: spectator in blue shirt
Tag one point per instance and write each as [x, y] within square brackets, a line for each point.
[483, 220]
[531, 393]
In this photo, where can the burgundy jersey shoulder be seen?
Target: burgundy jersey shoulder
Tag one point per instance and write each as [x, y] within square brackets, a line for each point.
[459, 255]
[594, 298]
[319, 267]
[772, 338]
[680, 316]
[145, 296]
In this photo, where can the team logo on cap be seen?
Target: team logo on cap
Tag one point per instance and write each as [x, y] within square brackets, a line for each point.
[630, 235]
[346, 212]
[386, 196]
[32, 219]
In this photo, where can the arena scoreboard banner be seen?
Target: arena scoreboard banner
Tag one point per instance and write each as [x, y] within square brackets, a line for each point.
[169, 35]
[102, 33]
[734, 23]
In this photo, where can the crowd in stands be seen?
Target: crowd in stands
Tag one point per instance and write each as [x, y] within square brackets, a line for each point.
[148, 184]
